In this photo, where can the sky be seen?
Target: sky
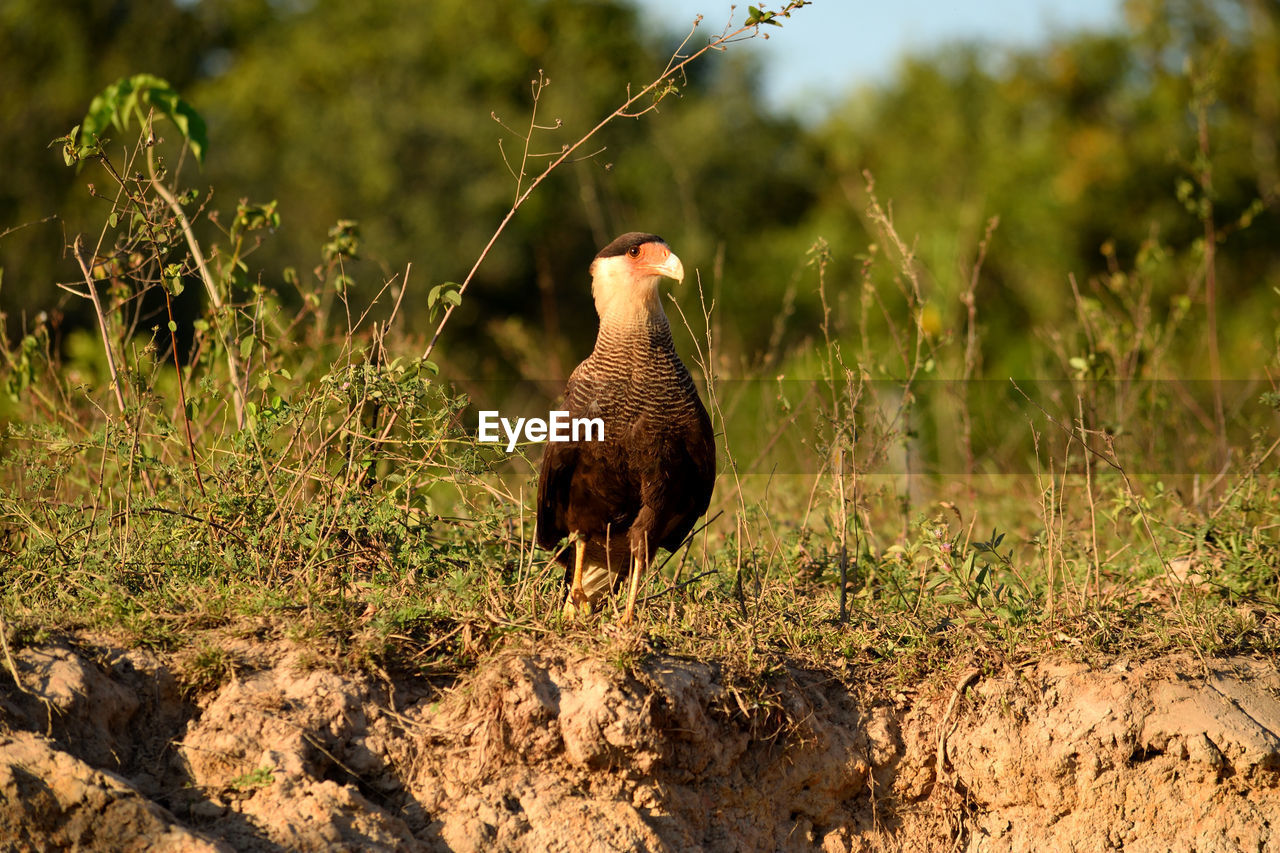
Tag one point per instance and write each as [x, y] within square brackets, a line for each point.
[832, 46]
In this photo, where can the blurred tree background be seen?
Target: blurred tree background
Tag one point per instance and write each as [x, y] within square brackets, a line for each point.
[1107, 157]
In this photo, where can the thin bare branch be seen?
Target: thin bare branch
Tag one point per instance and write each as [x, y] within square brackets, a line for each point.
[675, 66]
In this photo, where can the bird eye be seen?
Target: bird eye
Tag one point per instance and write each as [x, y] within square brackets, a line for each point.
[633, 252]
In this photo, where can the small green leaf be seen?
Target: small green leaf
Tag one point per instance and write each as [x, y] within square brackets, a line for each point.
[173, 327]
[75, 148]
[447, 291]
[344, 241]
[755, 17]
[251, 217]
[246, 346]
[131, 97]
[173, 279]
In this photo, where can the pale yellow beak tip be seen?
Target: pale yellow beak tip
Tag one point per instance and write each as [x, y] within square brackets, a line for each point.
[673, 268]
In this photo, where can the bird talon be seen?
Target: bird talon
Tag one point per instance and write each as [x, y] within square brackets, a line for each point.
[579, 602]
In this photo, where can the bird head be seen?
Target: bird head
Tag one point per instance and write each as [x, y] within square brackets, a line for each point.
[625, 274]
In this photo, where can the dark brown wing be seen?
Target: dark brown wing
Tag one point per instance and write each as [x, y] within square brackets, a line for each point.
[688, 479]
[587, 487]
[559, 461]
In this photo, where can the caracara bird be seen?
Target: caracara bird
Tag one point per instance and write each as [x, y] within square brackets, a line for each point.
[649, 480]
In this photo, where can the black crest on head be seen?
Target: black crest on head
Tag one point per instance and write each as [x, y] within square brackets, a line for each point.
[626, 242]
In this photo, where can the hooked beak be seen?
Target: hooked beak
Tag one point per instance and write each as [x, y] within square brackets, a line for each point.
[669, 267]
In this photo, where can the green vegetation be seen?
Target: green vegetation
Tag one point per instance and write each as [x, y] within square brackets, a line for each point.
[207, 431]
[260, 778]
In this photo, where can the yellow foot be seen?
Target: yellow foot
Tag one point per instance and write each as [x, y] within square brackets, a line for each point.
[578, 602]
[577, 605]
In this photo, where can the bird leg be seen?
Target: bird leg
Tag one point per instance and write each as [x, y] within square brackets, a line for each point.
[639, 562]
[578, 601]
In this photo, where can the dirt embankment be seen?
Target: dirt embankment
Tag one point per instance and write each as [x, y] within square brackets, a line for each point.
[549, 750]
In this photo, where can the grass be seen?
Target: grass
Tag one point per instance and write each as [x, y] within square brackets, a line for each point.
[881, 509]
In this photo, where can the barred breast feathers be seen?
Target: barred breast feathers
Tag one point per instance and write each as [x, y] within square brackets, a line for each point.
[634, 369]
